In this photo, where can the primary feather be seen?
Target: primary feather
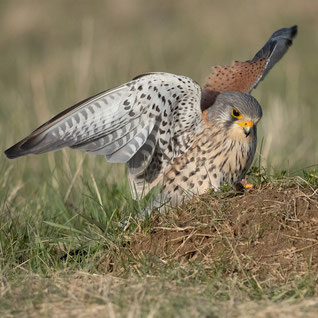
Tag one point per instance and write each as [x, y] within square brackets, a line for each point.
[156, 112]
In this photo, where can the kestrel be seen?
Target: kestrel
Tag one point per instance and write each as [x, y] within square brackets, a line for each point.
[167, 129]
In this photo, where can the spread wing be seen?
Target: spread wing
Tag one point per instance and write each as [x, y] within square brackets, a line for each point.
[156, 114]
[244, 76]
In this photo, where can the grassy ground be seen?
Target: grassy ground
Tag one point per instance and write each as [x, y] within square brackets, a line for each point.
[228, 254]
[62, 252]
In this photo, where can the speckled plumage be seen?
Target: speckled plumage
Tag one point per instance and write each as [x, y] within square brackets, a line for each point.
[168, 130]
[221, 153]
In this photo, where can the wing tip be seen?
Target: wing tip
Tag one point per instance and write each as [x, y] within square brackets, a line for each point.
[293, 31]
[14, 152]
[24, 147]
[283, 35]
[289, 33]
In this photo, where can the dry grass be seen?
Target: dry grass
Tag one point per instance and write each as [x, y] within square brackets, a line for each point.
[85, 295]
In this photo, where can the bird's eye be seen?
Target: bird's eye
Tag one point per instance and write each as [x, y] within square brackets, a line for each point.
[236, 113]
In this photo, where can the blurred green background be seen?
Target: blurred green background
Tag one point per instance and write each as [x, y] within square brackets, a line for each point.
[55, 53]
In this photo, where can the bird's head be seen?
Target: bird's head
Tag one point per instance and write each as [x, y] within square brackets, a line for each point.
[236, 112]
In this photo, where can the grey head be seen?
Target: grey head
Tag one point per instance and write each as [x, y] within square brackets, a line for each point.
[236, 112]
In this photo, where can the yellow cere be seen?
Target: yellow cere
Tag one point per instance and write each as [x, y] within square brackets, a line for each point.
[246, 123]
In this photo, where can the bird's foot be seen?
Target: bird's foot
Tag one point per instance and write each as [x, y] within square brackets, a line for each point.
[246, 186]
[243, 185]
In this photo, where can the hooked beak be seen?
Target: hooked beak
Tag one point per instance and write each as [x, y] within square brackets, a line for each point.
[247, 130]
[246, 126]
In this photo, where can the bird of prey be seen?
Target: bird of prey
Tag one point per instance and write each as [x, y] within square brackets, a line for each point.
[169, 131]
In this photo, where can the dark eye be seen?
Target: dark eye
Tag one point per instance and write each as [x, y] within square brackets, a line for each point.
[236, 113]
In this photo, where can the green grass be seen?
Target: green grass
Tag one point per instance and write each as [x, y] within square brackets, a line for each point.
[51, 250]
[60, 213]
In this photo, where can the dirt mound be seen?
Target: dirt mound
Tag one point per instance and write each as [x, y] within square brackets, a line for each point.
[266, 232]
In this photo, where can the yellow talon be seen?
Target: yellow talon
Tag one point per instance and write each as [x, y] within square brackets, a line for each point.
[246, 185]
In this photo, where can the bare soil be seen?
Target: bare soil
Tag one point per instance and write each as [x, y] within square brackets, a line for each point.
[269, 233]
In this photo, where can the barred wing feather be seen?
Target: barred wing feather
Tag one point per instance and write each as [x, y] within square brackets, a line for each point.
[154, 113]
